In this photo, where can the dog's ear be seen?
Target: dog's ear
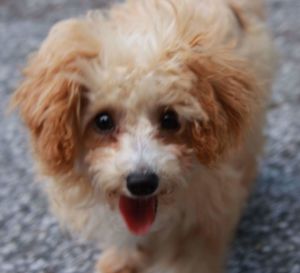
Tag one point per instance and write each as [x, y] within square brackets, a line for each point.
[49, 100]
[226, 92]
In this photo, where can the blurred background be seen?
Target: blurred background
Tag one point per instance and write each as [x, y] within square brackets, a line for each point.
[268, 238]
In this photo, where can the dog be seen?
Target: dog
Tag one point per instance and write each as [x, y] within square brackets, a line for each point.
[146, 120]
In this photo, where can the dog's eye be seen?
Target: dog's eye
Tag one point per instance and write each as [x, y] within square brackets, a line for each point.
[169, 120]
[104, 122]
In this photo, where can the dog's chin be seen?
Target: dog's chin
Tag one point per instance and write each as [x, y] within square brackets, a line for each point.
[139, 214]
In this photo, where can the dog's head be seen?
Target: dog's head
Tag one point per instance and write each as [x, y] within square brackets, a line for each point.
[127, 121]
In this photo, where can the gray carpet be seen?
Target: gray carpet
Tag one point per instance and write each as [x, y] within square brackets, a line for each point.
[268, 239]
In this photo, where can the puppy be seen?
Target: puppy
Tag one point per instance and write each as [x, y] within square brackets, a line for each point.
[147, 121]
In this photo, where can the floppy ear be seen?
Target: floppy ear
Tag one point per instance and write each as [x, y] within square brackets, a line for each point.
[49, 101]
[227, 93]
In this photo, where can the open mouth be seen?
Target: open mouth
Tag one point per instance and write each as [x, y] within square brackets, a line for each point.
[138, 213]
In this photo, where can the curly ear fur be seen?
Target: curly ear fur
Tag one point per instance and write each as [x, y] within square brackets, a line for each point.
[226, 92]
[49, 101]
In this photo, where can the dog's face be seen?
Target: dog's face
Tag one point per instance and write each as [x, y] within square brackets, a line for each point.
[132, 129]
[135, 143]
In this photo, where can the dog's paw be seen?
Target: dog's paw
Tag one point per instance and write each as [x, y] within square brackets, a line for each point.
[114, 261]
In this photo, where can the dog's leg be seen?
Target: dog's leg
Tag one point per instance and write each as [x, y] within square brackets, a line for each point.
[121, 261]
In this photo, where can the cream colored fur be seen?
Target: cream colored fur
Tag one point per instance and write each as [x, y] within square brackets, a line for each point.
[209, 60]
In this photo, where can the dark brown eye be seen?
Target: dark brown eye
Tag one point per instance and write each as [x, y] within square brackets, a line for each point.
[169, 121]
[104, 122]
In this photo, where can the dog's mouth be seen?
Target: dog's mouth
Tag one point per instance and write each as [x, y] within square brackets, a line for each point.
[139, 214]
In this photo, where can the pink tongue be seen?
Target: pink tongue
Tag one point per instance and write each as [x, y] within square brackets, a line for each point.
[139, 214]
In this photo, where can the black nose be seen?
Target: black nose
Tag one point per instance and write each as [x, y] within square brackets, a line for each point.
[142, 184]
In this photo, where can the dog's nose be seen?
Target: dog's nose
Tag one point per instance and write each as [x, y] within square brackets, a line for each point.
[142, 184]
